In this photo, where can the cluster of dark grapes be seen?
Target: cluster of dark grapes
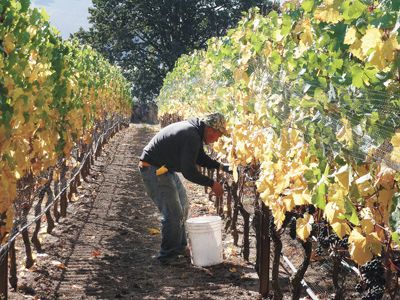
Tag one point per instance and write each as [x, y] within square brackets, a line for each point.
[326, 240]
[309, 208]
[322, 238]
[396, 262]
[372, 285]
[343, 243]
[292, 228]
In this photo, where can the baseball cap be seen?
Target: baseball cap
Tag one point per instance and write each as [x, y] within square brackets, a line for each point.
[216, 121]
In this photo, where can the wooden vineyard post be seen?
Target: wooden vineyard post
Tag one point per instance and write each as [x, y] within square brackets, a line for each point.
[265, 252]
[63, 199]
[3, 275]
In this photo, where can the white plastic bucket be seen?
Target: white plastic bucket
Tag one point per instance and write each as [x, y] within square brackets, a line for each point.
[205, 239]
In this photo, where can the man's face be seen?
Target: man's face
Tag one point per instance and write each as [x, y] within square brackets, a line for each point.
[211, 135]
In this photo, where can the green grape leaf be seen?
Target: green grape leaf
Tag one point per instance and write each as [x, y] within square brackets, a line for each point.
[25, 5]
[318, 198]
[307, 5]
[286, 24]
[45, 15]
[395, 213]
[353, 9]
[396, 238]
[395, 5]
[357, 74]
[351, 213]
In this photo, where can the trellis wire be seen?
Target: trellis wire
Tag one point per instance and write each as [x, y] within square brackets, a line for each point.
[4, 249]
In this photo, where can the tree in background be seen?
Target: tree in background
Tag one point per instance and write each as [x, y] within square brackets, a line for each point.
[146, 37]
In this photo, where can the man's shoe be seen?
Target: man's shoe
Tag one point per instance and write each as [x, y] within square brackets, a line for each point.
[176, 261]
[185, 252]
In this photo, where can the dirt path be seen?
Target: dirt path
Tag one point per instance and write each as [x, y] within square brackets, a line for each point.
[103, 249]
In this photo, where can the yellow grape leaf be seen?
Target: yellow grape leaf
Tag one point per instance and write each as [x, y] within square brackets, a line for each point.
[364, 179]
[385, 178]
[359, 254]
[241, 74]
[395, 155]
[279, 216]
[351, 35]
[306, 38]
[332, 211]
[343, 176]
[374, 243]
[385, 198]
[364, 185]
[267, 49]
[329, 12]
[395, 141]
[337, 194]
[288, 202]
[263, 184]
[357, 249]
[371, 40]
[367, 226]
[32, 30]
[277, 35]
[246, 54]
[363, 248]
[8, 43]
[377, 58]
[304, 227]
[341, 228]
[389, 48]
[153, 231]
[345, 134]
[356, 50]
[366, 213]
[301, 197]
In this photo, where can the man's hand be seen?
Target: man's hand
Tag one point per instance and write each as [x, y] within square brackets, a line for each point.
[225, 168]
[217, 189]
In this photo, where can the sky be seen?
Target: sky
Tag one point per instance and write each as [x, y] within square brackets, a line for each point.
[66, 15]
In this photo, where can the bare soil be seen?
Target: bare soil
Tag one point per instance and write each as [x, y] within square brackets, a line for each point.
[104, 248]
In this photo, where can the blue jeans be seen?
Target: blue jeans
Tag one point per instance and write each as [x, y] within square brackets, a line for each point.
[169, 194]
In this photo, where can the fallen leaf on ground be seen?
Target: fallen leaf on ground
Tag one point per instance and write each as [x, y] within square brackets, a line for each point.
[77, 287]
[74, 198]
[95, 253]
[233, 270]
[58, 264]
[153, 231]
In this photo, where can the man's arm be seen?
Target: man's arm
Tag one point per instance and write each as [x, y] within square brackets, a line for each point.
[188, 164]
[205, 161]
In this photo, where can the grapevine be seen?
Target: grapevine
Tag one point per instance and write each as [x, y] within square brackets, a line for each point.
[52, 95]
[312, 97]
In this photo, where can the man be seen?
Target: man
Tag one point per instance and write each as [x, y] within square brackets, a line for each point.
[179, 148]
